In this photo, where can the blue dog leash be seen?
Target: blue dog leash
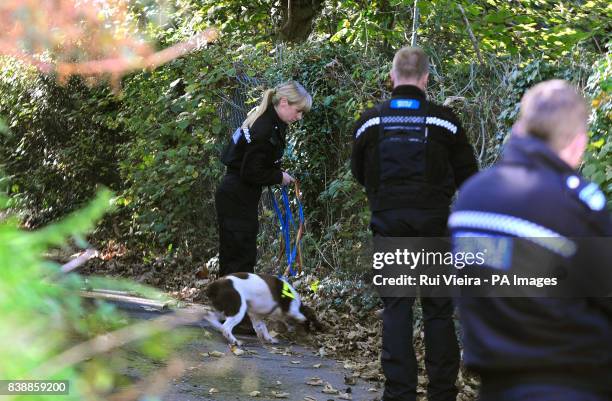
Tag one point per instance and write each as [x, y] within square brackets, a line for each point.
[286, 221]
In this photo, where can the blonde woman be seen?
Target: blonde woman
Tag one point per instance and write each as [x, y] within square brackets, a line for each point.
[253, 161]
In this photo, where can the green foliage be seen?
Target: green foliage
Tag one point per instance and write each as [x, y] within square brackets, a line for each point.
[598, 160]
[342, 83]
[157, 144]
[61, 142]
[169, 163]
[550, 29]
[42, 314]
[522, 77]
[501, 28]
[39, 307]
[236, 20]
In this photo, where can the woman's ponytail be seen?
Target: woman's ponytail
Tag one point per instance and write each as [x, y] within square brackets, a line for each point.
[256, 112]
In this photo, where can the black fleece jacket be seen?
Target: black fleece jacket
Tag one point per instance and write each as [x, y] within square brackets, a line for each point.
[256, 157]
[450, 157]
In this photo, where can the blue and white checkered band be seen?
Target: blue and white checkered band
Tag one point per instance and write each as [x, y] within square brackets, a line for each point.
[410, 104]
[511, 225]
[370, 123]
[247, 134]
[452, 128]
[403, 120]
[442, 123]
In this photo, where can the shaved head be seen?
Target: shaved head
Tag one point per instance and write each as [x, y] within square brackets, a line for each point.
[553, 111]
[410, 63]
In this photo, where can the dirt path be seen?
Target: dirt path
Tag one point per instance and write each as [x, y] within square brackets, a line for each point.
[282, 371]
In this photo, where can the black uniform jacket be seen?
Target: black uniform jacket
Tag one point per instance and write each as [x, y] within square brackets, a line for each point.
[531, 193]
[256, 154]
[447, 160]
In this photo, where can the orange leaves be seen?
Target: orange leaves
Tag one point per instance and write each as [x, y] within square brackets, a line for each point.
[83, 37]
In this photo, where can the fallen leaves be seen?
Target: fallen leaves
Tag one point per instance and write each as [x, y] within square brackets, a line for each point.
[237, 351]
[314, 381]
[329, 389]
[285, 351]
[214, 354]
[366, 371]
[353, 336]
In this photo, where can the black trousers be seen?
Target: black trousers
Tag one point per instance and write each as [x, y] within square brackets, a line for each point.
[236, 204]
[441, 347]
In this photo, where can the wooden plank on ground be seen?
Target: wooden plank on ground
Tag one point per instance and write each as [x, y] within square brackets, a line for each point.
[119, 296]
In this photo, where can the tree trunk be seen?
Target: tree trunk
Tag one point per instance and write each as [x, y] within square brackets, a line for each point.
[297, 19]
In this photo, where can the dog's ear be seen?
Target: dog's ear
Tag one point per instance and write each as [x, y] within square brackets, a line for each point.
[311, 319]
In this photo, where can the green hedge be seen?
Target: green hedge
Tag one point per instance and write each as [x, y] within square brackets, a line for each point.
[157, 143]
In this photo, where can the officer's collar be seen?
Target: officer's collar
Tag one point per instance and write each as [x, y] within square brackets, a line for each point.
[408, 90]
[275, 119]
[525, 149]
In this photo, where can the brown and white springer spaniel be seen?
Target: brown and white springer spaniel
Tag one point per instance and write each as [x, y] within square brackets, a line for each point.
[260, 296]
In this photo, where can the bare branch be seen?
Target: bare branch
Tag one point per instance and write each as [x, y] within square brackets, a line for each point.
[124, 65]
[472, 37]
[79, 260]
[415, 24]
[483, 132]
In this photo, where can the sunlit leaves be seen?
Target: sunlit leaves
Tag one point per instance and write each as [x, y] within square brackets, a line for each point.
[35, 312]
[598, 160]
[528, 28]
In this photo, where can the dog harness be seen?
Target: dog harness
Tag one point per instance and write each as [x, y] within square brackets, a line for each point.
[286, 292]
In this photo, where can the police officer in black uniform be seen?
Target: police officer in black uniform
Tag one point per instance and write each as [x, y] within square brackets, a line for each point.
[540, 349]
[411, 155]
[253, 160]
